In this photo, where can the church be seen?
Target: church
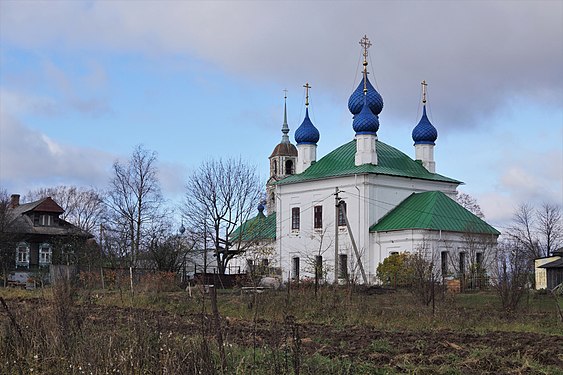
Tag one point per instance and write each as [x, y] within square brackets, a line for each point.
[340, 216]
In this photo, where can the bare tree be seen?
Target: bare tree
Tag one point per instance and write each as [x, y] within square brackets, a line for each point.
[550, 228]
[134, 199]
[522, 231]
[83, 207]
[538, 231]
[8, 239]
[510, 272]
[422, 268]
[220, 195]
[168, 250]
[315, 262]
[469, 203]
[471, 258]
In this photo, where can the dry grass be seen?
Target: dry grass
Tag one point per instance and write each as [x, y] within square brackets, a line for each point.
[62, 330]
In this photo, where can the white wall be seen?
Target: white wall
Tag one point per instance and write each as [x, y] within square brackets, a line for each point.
[368, 199]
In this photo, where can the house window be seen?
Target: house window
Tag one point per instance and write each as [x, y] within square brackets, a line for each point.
[46, 220]
[341, 213]
[295, 219]
[343, 266]
[289, 167]
[295, 268]
[318, 221]
[462, 262]
[45, 254]
[22, 255]
[444, 262]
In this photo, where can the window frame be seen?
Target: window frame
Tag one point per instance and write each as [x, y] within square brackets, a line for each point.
[45, 256]
[26, 254]
[462, 262]
[295, 219]
[444, 255]
[289, 167]
[295, 267]
[318, 217]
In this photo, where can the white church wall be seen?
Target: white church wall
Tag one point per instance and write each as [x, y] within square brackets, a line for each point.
[368, 198]
[476, 249]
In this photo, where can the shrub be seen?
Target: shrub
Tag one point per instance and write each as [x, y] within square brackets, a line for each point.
[394, 270]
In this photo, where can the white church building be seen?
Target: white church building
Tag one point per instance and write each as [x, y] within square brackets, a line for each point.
[350, 209]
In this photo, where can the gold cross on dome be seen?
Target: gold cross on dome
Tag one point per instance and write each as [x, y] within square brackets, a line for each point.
[307, 87]
[424, 84]
[365, 43]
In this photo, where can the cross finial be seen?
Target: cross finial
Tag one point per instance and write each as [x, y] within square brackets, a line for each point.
[285, 93]
[365, 43]
[424, 84]
[307, 87]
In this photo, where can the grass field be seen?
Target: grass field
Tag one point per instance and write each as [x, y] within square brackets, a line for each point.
[63, 330]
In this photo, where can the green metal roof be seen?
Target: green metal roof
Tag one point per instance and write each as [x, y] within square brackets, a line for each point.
[341, 162]
[260, 227]
[435, 211]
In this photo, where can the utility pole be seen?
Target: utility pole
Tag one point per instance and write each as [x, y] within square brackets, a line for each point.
[358, 257]
[336, 212]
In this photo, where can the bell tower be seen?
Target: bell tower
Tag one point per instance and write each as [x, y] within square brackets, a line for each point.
[282, 161]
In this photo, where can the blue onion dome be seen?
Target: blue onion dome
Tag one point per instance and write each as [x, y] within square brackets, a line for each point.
[306, 133]
[365, 122]
[261, 208]
[356, 101]
[424, 132]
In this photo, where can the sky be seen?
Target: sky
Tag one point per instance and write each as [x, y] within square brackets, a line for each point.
[83, 82]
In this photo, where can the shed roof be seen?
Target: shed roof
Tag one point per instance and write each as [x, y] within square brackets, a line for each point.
[555, 264]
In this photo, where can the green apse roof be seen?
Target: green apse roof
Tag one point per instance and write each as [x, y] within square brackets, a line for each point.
[341, 162]
[435, 211]
[260, 227]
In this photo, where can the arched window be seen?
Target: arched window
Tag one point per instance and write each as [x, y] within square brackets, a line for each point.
[289, 167]
[45, 254]
[22, 255]
[275, 167]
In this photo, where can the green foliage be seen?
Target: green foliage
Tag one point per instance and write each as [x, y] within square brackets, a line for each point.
[394, 270]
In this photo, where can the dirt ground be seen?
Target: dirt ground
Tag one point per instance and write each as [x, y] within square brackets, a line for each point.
[488, 352]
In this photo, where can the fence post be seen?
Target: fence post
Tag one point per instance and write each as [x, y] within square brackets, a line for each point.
[218, 332]
[131, 278]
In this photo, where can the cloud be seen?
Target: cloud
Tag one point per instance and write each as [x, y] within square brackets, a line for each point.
[474, 54]
[530, 177]
[30, 159]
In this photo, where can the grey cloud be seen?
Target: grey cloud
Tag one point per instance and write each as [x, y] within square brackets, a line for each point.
[29, 159]
[474, 54]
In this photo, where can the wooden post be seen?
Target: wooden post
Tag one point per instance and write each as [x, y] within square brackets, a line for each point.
[131, 278]
[336, 210]
[218, 333]
[360, 264]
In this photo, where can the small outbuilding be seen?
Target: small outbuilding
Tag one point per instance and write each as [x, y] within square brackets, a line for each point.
[549, 270]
